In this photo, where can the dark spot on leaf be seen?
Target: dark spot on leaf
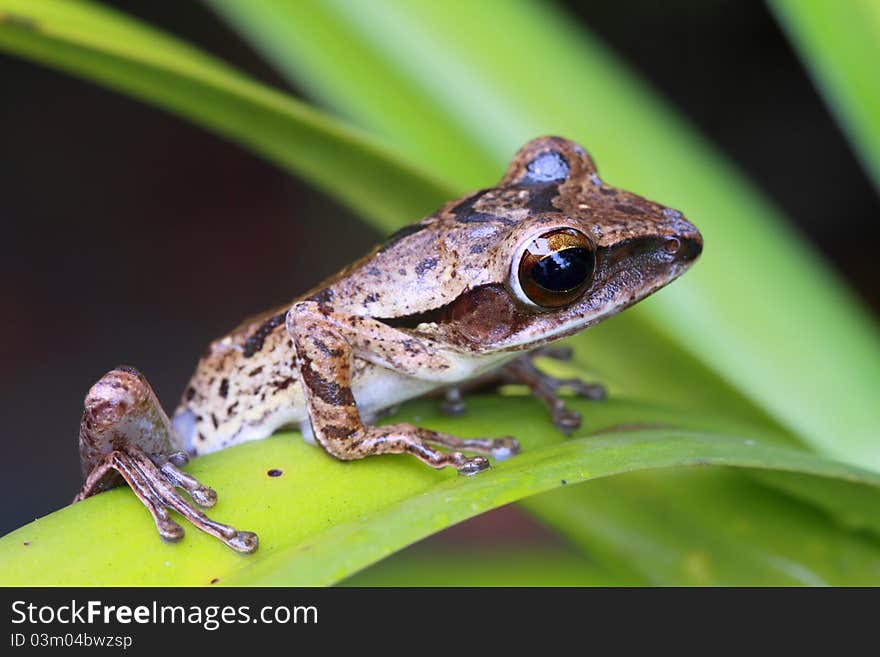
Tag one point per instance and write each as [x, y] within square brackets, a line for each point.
[23, 22]
[275, 472]
[215, 580]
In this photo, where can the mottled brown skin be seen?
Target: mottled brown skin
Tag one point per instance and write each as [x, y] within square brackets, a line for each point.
[441, 302]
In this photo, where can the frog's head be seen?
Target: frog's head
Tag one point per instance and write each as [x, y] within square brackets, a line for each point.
[569, 250]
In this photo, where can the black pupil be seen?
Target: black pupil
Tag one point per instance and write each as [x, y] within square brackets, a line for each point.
[564, 270]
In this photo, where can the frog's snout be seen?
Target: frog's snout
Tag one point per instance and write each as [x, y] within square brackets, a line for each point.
[683, 240]
[690, 247]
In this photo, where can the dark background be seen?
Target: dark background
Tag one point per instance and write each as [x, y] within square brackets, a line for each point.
[130, 236]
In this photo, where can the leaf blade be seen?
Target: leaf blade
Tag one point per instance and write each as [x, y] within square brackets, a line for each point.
[838, 42]
[323, 520]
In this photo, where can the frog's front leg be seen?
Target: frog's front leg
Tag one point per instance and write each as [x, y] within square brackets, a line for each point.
[522, 370]
[126, 436]
[325, 343]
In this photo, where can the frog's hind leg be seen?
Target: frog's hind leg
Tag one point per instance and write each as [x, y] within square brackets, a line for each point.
[125, 436]
[522, 370]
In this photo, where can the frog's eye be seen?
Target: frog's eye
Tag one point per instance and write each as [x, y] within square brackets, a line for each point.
[556, 267]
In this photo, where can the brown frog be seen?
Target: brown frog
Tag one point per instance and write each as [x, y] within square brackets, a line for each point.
[456, 298]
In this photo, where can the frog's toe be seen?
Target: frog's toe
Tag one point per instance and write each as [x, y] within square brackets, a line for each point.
[202, 495]
[156, 487]
[473, 465]
[453, 402]
[244, 542]
[594, 391]
[504, 448]
[565, 419]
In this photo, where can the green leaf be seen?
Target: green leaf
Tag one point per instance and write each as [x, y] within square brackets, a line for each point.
[759, 309]
[483, 567]
[709, 528]
[323, 520]
[107, 47]
[840, 44]
[707, 344]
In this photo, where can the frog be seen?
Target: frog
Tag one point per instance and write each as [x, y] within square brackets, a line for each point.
[466, 297]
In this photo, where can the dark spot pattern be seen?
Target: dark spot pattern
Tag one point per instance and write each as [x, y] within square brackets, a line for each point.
[465, 213]
[541, 198]
[322, 297]
[224, 388]
[425, 266]
[255, 340]
[628, 209]
[283, 384]
[275, 472]
[329, 392]
[327, 351]
[336, 432]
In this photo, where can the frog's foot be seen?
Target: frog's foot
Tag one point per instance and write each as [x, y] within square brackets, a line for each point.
[126, 436]
[543, 386]
[155, 485]
[421, 443]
